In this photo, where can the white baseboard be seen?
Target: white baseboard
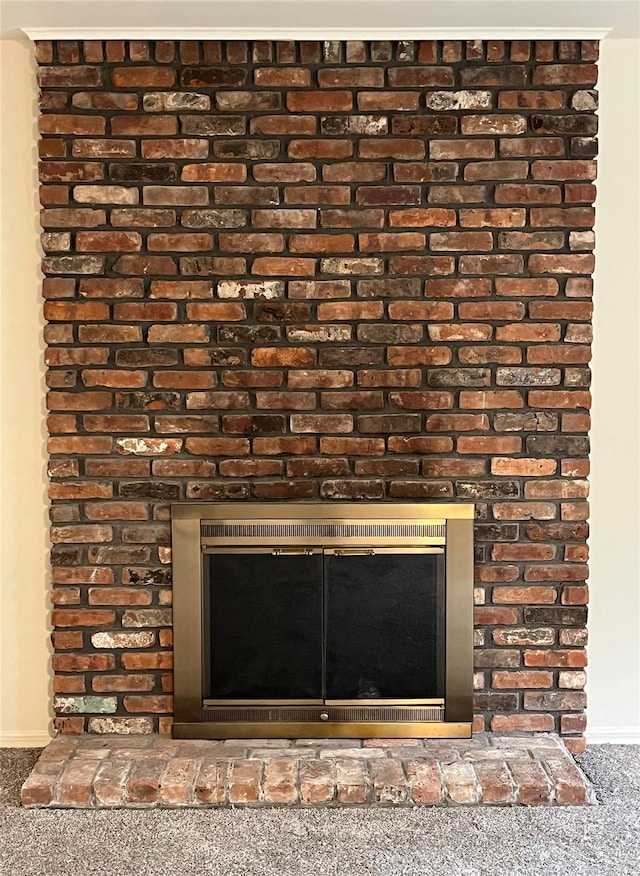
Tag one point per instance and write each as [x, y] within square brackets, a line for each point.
[613, 735]
[24, 739]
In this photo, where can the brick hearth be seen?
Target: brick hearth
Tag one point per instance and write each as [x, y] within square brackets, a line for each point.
[133, 771]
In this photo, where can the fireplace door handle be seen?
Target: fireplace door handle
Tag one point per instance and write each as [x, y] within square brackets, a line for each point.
[294, 552]
[352, 552]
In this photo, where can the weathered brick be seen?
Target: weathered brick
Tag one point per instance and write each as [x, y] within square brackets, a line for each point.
[310, 344]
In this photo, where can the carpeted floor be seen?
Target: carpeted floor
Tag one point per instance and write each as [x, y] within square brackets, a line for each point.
[599, 840]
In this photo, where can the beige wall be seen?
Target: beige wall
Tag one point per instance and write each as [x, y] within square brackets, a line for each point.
[614, 673]
[24, 649]
[614, 615]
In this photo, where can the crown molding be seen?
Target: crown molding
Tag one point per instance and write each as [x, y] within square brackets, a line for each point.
[316, 33]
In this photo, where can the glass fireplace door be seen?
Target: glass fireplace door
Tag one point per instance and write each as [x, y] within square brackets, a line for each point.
[323, 625]
[264, 639]
[384, 624]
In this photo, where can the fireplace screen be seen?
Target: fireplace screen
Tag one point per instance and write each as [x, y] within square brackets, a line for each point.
[313, 623]
[264, 635]
[324, 625]
[382, 616]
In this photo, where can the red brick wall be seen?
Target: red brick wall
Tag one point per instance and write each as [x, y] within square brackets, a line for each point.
[317, 271]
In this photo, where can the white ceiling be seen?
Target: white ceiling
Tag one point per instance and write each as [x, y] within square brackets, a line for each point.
[395, 17]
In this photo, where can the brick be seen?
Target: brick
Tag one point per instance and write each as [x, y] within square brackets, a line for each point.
[279, 784]
[570, 787]
[458, 100]
[317, 784]
[351, 218]
[267, 266]
[353, 171]
[178, 195]
[248, 149]
[75, 785]
[460, 241]
[459, 148]
[319, 148]
[551, 146]
[492, 264]
[318, 101]
[496, 783]
[565, 572]
[289, 77]
[354, 124]
[555, 701]
[387, 147]
[573, 723]
[424, 781]
[559, 399]
[522, 679]
[247, 101]
[104, 149]
[424, 125]
[499, 123]
[352, 783]
[461, 783]
[141, 218]
[522, 723]
[388, 100]
[105, 195]
[492, 218]
[108, 241]
[575, 595]
[211, 781]
[142, 77]
[568, 217]
[490, 170]
[77, 125]
[354, 77]
[538, 99]
[389, 783]
[565, 74]
[299, 172]
[382, 195]
[321, 243]
[421, 77]
[317, 195]
[563, 170]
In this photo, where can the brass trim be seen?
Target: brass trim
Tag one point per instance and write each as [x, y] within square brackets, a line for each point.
[187, 618]
[263, 549]
[321, 730]
[207, 703]
[341, 511]
[383, 702]
[288, 533]
[376, 714]
[371, 552]
[459, 621]
[310, 551]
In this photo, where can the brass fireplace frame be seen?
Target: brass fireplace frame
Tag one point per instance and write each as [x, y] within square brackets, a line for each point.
[198, 528]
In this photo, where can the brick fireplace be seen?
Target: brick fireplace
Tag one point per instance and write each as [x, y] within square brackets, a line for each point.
[317, 272]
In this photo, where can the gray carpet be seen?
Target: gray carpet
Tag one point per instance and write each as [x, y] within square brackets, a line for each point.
[599, 840]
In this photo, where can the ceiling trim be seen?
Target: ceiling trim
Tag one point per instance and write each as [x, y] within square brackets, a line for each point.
[316, 33]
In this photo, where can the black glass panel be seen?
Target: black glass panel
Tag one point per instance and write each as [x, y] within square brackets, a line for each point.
[382, 626]
[266, 625]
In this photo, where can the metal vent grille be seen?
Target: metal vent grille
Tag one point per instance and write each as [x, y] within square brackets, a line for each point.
[335, 713]
[323, 530]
